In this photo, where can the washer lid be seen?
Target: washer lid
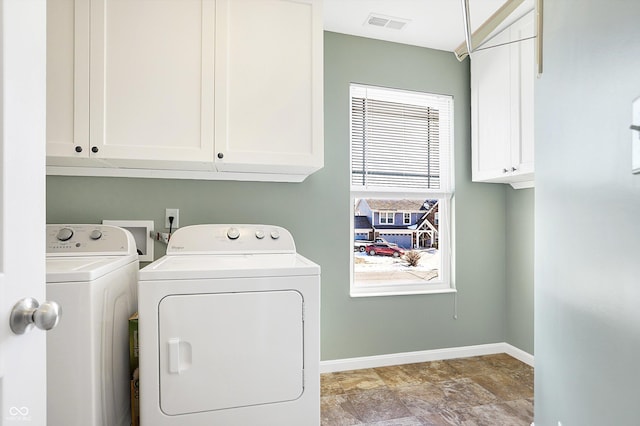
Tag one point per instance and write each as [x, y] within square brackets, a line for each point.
[89, 268]
[228, 266]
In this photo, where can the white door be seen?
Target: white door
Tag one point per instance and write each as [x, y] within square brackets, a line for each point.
[22, 208]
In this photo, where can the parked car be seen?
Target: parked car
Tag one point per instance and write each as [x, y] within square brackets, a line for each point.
[384, 249]
[361, 245]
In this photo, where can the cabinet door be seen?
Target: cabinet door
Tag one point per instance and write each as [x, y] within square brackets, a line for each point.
[491, 110]
[151, 88]
[269, 86]
[67, 78]
[523, 77]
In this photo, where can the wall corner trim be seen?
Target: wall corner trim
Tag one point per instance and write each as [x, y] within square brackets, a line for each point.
[335, 365]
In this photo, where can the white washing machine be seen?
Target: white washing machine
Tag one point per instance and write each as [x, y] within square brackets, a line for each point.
[229, 330]
[92, 272]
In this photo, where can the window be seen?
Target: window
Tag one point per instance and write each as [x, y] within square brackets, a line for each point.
[386, 218]
[401, 161]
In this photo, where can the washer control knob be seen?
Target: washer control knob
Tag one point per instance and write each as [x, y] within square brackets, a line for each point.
[233, 233]
[259, 234]
[275, 235]
[96, 234]
[65, 234]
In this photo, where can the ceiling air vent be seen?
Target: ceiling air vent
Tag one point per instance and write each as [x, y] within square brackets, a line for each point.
[382, 21]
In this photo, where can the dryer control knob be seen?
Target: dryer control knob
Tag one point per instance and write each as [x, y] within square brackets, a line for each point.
[65, 234]
[233, 233]
[96, 234]
[259, 234]
[275, 235]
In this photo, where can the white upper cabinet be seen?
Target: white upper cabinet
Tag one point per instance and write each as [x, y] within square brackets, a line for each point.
[204, 89]
[151, 92]
[491, 109]
[269, 86]
[68, 79]
[130, 83]
[502, 79]
[523, 63]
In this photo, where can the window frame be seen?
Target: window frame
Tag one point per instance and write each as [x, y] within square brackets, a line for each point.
[386, 215]
[445, 282]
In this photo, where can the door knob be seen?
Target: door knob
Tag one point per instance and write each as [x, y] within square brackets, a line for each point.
[28, 313]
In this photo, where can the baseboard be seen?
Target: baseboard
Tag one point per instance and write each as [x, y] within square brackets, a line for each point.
[359, 363]
[519, 354]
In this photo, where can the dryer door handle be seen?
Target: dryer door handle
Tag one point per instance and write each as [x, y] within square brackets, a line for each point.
[174, 356]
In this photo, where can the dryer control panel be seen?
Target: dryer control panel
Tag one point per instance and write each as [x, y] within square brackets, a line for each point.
[231, 239]
[89, 240]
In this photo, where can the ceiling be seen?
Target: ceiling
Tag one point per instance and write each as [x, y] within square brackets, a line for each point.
[436, 24]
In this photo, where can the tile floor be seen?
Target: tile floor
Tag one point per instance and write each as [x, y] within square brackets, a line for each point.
[492, 390]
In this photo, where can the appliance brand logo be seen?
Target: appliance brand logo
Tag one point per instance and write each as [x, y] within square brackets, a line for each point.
[20, 414]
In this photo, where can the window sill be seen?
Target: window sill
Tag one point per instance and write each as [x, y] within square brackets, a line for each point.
[377, 292]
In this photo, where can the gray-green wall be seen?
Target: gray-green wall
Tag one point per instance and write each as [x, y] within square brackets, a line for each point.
[317, 213]
[519, 263]
[587, 216]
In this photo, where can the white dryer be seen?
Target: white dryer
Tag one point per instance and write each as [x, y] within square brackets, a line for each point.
[92, 272]
[229, 330]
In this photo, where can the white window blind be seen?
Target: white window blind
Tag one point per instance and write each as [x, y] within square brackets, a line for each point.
[400, 140]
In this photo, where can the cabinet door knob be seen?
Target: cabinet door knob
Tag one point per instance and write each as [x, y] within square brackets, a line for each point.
[95, 149]
[220, 155]
[513, 169]
[78, 148]
[505, 171]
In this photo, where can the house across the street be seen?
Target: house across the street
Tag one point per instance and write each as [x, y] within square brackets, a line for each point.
[411, 224]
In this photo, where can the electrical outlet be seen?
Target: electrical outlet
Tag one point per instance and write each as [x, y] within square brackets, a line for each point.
[171, 212]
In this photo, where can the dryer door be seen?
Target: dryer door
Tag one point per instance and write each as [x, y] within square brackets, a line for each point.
[229, 350]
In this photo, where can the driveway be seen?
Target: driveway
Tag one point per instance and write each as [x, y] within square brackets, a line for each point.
[380, 269]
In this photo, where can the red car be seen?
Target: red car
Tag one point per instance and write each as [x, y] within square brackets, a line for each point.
[384, 250]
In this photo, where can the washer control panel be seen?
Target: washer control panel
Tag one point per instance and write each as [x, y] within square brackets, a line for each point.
[87, 240]
[231, 239]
